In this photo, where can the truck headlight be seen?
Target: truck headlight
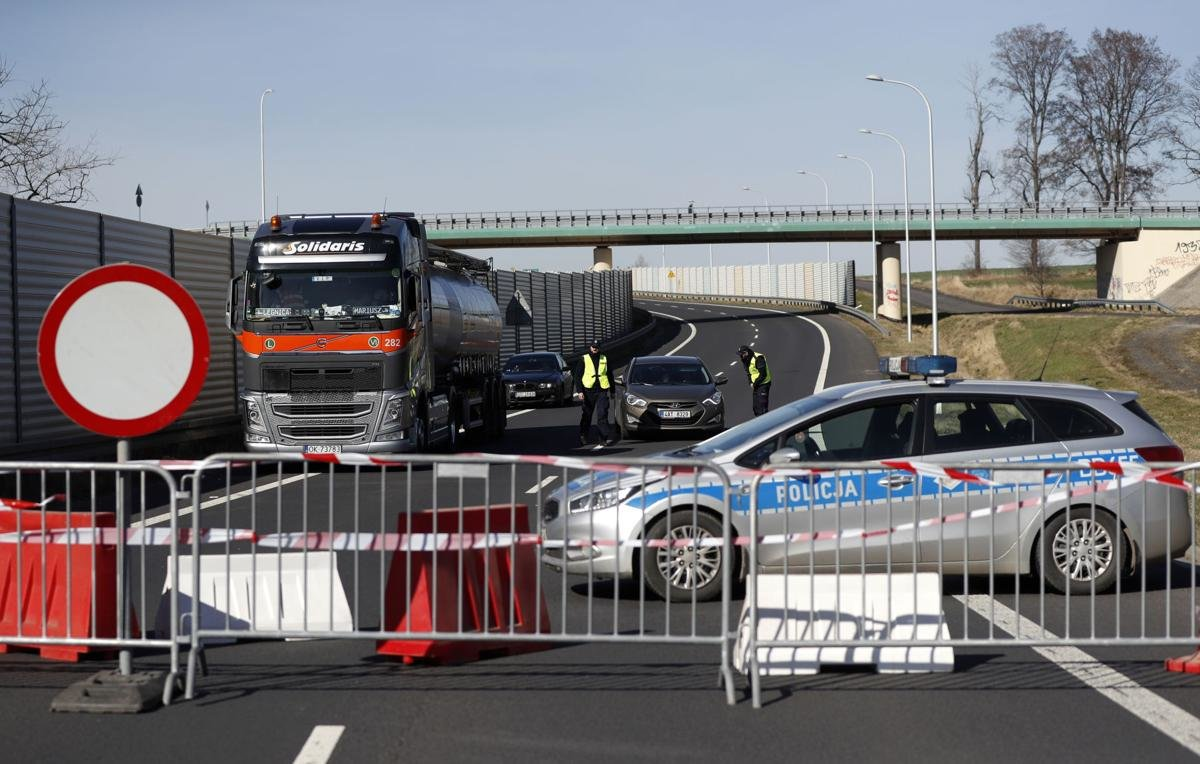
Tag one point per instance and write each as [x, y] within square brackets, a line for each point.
[393, 413]
[633, 400]
[714, 399]
[253, 415]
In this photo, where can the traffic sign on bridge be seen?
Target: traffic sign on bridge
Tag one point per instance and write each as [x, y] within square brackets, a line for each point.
[123, 350]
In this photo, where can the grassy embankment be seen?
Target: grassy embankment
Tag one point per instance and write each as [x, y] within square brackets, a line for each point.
[996, 285]
[1073, 347]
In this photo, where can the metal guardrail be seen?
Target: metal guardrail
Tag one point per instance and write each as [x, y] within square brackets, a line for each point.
[1066, 303]
[816, 214]
[827, 306]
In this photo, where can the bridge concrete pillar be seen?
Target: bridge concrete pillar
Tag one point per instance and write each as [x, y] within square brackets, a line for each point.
[1161, 264]
[887, 287]
[602, 259]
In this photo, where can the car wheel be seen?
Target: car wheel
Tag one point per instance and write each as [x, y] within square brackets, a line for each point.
[1080, 550]
[679, 571]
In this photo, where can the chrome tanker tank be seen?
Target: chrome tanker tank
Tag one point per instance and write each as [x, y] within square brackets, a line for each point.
[466, 320]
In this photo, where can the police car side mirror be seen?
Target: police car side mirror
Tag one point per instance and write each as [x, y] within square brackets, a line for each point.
[784, 456]
[620, 380]
[721, 381]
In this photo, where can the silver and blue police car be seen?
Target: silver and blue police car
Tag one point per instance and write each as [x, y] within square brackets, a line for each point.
[1078, 544]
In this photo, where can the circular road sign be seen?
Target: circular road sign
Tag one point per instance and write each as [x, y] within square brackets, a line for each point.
[123, 350]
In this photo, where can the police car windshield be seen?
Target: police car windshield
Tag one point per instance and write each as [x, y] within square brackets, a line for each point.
[322, 294]
[754, 430]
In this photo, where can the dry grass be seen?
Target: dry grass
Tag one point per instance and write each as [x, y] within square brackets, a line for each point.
[997, 285]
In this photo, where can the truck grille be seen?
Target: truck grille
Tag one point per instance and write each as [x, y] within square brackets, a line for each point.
[293, 410]
[322, 432]
[283, 379]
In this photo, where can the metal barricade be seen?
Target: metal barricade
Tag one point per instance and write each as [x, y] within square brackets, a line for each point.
[1088, 552]
[83, 559]
[454, 556]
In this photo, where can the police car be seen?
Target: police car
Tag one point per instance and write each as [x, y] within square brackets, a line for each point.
[929, 419]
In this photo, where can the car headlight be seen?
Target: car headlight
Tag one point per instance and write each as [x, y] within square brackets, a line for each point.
[254, 417]
[633, 400]
[601, 499]
[713, 399]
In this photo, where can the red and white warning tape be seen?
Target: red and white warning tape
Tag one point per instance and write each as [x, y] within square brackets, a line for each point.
[26, 504]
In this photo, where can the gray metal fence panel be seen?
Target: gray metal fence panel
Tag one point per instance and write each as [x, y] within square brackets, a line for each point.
[128, 241]
[9, 431]
[579, 310]
[202, 265]
[541, 309]
[553, 313]
[54, 244]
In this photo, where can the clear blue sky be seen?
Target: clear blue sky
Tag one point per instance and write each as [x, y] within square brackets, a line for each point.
[528, 105]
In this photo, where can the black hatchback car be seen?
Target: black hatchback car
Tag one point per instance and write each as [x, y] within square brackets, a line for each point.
[531, 378]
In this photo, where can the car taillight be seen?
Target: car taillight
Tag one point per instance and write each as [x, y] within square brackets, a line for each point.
[1160, 453]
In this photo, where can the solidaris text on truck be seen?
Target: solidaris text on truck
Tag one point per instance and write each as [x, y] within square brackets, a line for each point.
[358, 335]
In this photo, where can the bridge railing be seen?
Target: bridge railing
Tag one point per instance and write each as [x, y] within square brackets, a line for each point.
[814, 214]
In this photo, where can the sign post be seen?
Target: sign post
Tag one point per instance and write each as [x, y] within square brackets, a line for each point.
[123, 351]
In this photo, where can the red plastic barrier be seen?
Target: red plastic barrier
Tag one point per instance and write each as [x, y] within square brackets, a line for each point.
[510, 580]
[69, 603]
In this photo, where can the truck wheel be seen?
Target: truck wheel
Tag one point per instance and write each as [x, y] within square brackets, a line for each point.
[678, 571]
[1079, 551]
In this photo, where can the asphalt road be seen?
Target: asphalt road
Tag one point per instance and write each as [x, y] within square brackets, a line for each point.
[948, 304]
[591, 701]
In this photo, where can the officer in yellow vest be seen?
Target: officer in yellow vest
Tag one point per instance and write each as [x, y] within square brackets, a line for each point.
[594, 386]
[759, 375]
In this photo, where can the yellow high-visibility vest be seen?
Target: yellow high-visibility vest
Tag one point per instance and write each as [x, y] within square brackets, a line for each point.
[591, 373]
[754, 372]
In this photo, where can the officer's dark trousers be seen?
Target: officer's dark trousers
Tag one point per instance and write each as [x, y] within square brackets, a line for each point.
[595, 403]
[762, 393]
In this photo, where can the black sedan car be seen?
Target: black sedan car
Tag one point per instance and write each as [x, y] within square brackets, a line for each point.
[660, 393]
[532, 378]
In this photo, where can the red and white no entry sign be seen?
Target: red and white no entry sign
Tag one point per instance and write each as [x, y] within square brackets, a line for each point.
[123, 350]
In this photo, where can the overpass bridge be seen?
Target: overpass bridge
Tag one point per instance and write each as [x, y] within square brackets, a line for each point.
[1146, 248]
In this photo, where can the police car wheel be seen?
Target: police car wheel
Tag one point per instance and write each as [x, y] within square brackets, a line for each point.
[682, 570]
[1082, 551]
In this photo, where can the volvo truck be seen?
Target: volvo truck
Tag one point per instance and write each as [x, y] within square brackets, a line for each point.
[358, 335]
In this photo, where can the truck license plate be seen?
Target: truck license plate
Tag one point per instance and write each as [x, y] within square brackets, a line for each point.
[525, 395]
[673, 414]
[323, 449]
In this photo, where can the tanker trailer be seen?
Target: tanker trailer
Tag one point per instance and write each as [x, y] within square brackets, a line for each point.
[358, 335]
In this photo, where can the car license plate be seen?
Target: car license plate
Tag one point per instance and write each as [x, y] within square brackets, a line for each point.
[672, 414]
[525, 395]
[323, 449]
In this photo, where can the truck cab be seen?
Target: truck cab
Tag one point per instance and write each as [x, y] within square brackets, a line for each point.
[357, 335]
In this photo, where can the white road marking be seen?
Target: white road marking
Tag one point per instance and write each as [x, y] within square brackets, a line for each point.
[598, 447]
[539, 486]
[752, 344]
[731, 363]
[690, 337]
[1162, 715]
[321, 742]
[219, 500]
[519, 412]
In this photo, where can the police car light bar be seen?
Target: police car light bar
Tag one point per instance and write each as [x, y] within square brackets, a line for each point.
[933, 367]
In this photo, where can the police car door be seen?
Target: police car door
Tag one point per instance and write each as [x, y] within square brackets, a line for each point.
[837, 504]
[962, 428]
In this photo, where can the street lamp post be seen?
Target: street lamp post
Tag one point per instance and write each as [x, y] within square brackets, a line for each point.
[768, 206]
[826, 185]
[262, 156]
[874, 255]
[691, 211]
[907, 215]
[932, 202]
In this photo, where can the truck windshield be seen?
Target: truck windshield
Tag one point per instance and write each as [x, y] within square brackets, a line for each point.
[322, 294]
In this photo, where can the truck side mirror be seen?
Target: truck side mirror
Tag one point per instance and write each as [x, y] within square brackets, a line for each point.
[232, 318]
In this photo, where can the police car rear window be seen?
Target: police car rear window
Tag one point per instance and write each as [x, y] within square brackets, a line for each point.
[1072, 421]
[1136, 408]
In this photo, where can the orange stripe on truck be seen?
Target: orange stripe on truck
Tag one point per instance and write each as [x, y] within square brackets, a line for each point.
[358, 342]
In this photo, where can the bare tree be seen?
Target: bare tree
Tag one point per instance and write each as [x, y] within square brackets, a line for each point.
[1115, 115]
[35, 161]
[979, 165]
[1030, 62]
[1185, 138]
